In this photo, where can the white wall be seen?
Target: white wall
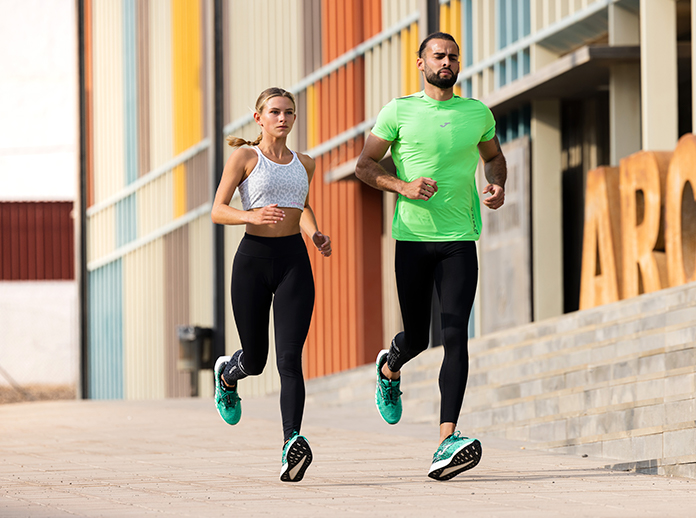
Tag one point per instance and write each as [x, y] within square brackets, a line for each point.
[38, 100]
[38, 332]
[38, 161]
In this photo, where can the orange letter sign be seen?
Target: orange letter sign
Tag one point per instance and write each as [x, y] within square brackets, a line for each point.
[598, 282]
[679, 245]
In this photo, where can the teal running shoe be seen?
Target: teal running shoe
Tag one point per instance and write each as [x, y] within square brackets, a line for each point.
[297, 456]
[387, 394]
[227, 401]
[455, 455]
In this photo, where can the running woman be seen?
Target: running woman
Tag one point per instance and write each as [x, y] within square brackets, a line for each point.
[271, 267]
[436, 139]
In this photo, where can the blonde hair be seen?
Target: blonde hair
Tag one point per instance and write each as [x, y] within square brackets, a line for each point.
[268, 93]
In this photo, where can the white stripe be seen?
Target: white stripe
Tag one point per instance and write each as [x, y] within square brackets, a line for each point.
[149, 177]
[162, 231]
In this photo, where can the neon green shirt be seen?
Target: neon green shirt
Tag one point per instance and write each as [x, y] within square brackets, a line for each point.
[437, 139]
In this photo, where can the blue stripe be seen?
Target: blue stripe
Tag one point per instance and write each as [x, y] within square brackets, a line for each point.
[526, 18]
[130, 92]
[126, 220]
[501, 33]
[105, 350]
[468, 33]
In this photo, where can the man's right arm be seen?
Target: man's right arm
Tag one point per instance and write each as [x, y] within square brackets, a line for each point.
[369, 170]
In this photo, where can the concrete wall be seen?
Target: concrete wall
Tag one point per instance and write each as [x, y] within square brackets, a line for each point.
[38, 333]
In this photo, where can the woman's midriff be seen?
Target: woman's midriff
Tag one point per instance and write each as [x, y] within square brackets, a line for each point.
[289, 226]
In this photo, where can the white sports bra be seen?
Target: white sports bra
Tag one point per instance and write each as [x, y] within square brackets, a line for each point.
[269, 183]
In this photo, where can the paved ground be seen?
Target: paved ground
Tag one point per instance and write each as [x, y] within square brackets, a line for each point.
[177, 458]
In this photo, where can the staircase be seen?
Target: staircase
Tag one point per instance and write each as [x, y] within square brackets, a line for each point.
[616, 381]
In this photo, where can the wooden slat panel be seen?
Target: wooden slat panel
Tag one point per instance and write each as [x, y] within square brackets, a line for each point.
[160, 75]
[200, 272]
[188, 120]
[143, 318]
[198, 181]
[101, 233]
[155, 204]
[105, 356]
[176, 298]
[143, 50]
[130, 92]
[108, 98]
[89, 107]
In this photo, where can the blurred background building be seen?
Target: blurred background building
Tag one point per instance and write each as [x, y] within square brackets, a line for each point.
[38, 178]
[574, 84]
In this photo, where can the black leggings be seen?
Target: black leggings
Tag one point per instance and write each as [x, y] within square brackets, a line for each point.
[453, 267]
[274, 270]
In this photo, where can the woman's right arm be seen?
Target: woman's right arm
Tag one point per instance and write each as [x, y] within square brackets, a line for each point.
[242, 160]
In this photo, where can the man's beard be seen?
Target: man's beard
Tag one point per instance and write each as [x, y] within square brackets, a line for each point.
[441, 82]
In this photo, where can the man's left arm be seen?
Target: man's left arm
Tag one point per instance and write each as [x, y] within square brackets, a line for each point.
[495, 168]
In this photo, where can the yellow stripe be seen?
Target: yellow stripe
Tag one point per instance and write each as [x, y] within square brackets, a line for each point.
[456, 20]
[415, 73]
[186, 67]
[444, 17]
[409, 72]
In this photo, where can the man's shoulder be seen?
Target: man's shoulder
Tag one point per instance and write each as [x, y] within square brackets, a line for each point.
[470, 102]
[410, 98]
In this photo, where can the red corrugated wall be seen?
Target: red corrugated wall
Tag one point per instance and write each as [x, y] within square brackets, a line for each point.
[347, 326]
[37, 241]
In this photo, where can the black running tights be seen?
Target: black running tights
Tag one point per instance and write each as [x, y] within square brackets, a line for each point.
[453, 267]
[274, 271]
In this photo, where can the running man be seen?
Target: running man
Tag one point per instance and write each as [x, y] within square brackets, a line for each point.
[436, 139]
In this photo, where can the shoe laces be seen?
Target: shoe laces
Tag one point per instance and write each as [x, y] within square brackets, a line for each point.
[229, 397]
[445, 444]
[390, 392]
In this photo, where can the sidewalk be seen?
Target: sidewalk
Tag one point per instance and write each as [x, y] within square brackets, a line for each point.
[178, 458]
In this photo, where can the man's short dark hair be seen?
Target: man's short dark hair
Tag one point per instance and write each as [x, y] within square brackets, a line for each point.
[436, 36]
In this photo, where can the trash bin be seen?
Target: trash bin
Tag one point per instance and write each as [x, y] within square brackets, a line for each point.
[195, 352]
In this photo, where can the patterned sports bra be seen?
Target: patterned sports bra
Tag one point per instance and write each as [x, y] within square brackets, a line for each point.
[269, 183]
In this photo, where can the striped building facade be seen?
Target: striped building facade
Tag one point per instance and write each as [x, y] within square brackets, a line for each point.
[151, 135]
[148, 171]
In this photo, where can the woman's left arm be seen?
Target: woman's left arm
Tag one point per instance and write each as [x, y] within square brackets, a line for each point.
[308, 222]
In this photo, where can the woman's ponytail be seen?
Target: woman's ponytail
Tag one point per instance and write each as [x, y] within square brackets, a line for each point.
[237, 142]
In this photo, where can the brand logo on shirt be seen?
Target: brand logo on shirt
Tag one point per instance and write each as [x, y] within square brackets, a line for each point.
[443, 125]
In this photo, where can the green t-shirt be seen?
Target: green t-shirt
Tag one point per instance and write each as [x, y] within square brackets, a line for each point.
[437, 139]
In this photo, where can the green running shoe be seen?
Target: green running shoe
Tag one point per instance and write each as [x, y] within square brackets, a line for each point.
[227, 401]
[387, 394]
[454, 455]
[297, 456]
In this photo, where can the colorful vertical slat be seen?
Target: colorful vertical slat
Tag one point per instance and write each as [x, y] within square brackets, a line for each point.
[186, 59]
[105, 357]
[146, 69]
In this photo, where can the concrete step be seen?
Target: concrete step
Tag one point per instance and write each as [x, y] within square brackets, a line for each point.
[616, 381]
